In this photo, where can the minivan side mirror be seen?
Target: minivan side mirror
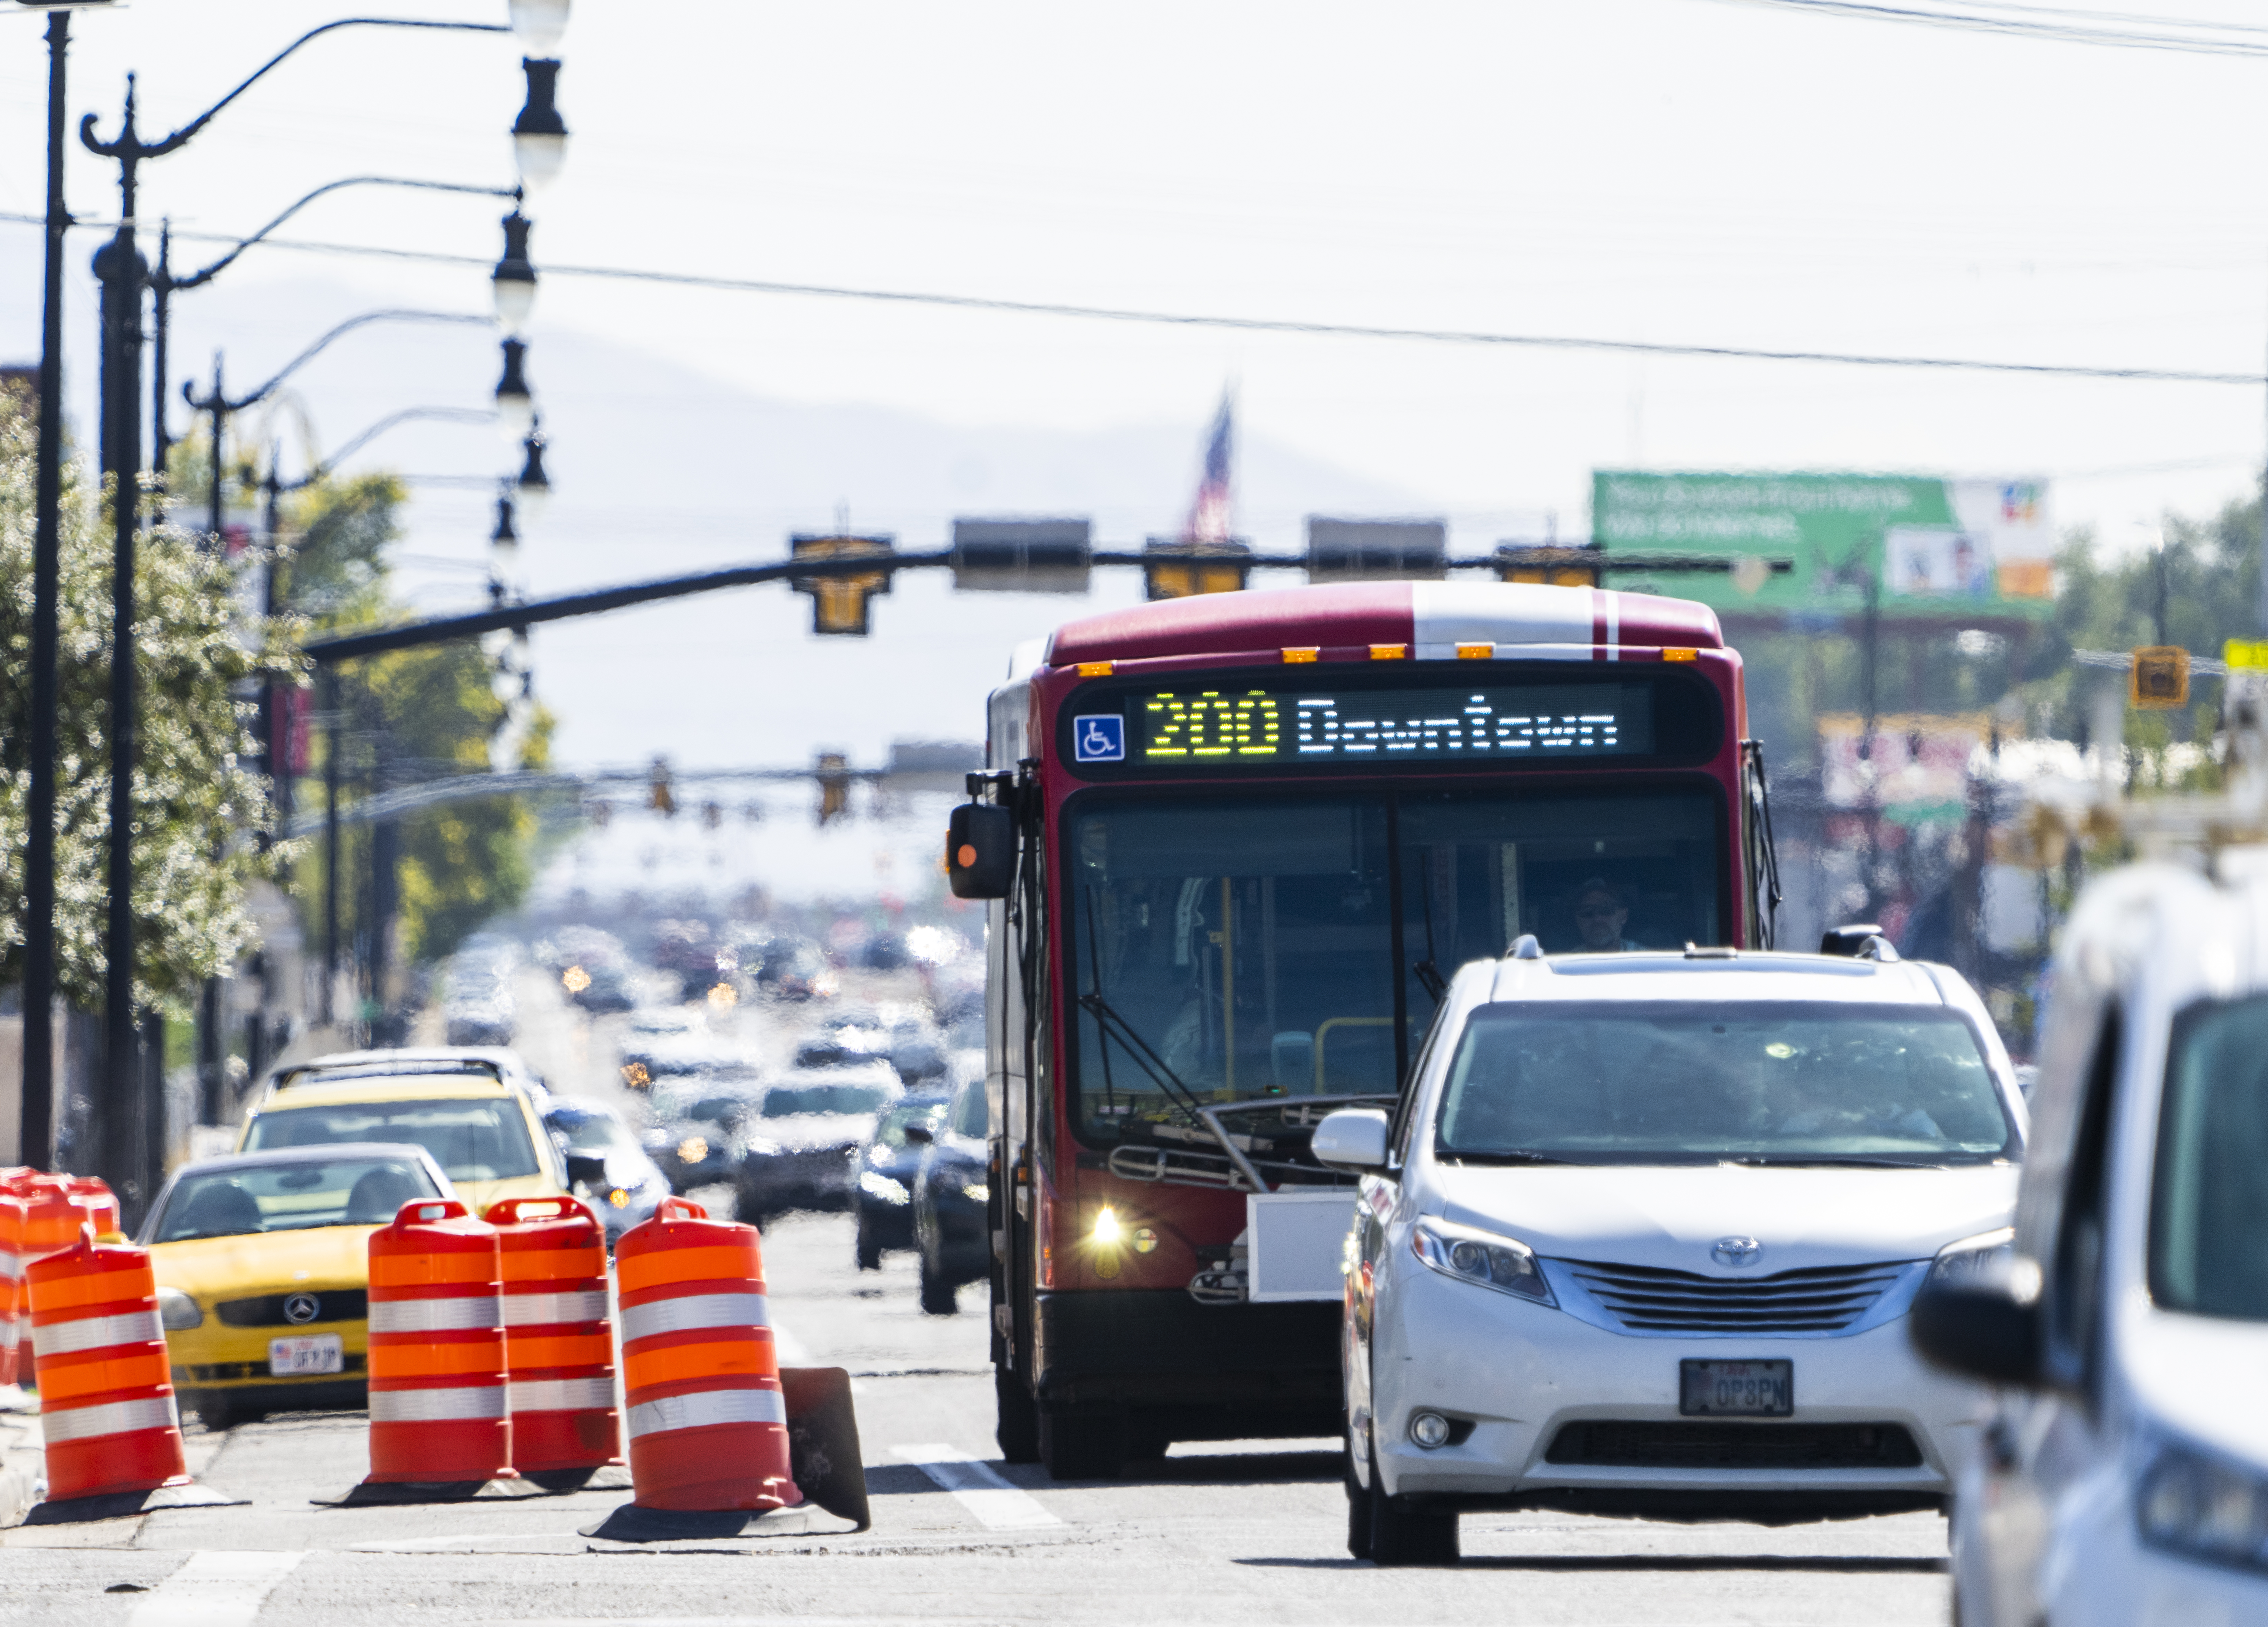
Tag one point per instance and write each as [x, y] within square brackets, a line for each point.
[586, 1169]
[1351, 1138]
[980, 850]
[1982, 1330]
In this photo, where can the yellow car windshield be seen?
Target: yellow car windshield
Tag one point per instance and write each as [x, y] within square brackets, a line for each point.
[290, 1198]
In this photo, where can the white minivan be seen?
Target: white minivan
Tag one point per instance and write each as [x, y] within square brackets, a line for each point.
[1644, 1233]
[2124, 1478]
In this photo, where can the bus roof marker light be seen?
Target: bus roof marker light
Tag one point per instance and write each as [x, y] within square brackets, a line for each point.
[1476, 651]
[1389, 653]
[1681, 655]
[1294, 657]
[1096, 669]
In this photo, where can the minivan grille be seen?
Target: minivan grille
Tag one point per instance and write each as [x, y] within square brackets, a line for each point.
[1824, 1299]
[1615, 1444]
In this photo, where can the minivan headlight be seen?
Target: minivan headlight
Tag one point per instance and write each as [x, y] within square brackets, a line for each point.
[1974, 1258]
[1483, 1258]
[177, 1311]
[2203, 1508]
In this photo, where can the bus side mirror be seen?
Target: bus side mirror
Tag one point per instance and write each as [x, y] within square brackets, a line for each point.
[1353, 1138]
[1981, 1329]
[980, 850]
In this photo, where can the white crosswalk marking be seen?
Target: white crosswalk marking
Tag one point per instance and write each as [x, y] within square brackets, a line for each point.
[214, 1589]
[978, 1487]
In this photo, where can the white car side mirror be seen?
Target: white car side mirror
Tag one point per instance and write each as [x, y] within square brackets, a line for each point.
[1353, 1138]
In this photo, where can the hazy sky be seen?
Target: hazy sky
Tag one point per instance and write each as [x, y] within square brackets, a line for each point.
[1665, 170]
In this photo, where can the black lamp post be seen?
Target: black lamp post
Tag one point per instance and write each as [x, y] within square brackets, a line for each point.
[36, 1102]
[515, 400]
[133, 1139]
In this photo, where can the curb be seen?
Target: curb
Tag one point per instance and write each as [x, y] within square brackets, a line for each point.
[23, 1463]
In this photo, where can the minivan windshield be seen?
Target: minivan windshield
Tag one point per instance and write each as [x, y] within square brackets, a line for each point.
[1678, 1082]
[2209, 1201]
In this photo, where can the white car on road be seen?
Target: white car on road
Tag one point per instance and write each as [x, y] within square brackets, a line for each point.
[2123, 1482]
[1644, 1231]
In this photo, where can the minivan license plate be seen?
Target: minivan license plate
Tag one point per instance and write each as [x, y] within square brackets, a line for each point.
[1736, 1390]
[303, 1353]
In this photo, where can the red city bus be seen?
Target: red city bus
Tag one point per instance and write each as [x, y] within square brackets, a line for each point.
[1237, 845]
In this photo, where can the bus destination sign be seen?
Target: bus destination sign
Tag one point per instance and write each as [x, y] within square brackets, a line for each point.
[1240, 725]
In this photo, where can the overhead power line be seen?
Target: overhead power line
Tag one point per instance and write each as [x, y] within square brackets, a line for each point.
[2064, 24]
[1271, 324]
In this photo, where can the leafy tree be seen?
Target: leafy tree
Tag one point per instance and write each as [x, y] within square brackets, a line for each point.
[195, 803]
[411, 715]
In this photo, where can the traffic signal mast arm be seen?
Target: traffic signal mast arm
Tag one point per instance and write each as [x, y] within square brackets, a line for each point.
[444, 629]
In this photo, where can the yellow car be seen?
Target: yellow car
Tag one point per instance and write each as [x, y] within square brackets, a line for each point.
[475, 1110]
[263, 1271]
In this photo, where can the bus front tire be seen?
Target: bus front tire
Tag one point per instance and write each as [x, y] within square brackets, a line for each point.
[1082, 1443]
[1017, 1432]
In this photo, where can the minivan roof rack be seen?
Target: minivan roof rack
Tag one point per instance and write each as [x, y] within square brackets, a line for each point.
[1849, 940]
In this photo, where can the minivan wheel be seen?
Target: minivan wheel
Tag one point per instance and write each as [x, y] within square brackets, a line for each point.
[1358, 1497]
[1401, 1535]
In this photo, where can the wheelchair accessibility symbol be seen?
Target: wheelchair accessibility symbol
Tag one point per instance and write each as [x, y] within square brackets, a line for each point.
[1099, 740]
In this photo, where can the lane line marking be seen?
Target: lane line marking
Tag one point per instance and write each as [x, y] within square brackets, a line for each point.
[978, 1487]
[215, 1588]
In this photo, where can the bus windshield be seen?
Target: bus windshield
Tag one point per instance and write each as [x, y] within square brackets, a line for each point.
[1247, 945]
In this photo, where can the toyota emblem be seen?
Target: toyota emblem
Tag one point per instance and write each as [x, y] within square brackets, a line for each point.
[304, 1307]
[1736, 1251]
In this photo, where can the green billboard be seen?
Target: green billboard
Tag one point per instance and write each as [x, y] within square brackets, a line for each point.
[1927, 546]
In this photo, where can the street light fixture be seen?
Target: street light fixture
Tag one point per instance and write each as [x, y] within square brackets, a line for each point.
[515, 401]
[539, 136]
[538, 24]
[504, 539]
[513, 280]
[531, 491]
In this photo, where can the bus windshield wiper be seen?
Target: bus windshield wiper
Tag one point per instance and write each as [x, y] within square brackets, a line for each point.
[1115, 1026]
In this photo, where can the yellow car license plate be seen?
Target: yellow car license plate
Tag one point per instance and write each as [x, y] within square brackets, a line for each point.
[305, 1353]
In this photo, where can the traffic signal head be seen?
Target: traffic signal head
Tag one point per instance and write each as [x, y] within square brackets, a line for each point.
[838, 599]
[2158, 680]
[1184, 569]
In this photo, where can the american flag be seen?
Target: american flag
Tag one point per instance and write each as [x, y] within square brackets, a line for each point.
[1209, 515]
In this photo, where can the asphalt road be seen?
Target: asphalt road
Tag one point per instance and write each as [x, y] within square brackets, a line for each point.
[1230, 1533]
[1238, 1533]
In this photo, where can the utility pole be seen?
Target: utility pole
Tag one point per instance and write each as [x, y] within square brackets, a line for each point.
[36, 1105]
[132, 1133]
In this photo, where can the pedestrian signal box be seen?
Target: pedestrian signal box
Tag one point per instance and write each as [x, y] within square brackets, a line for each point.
[2158, 680]
[838, 600]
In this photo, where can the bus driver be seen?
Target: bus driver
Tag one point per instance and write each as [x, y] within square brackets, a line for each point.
[1599, 914]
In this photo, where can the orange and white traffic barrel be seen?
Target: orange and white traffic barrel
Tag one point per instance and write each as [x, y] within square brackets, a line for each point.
[708, 1425]
[40, 1214]
[107, 1406]
[437, 1364]
[559, 1342]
